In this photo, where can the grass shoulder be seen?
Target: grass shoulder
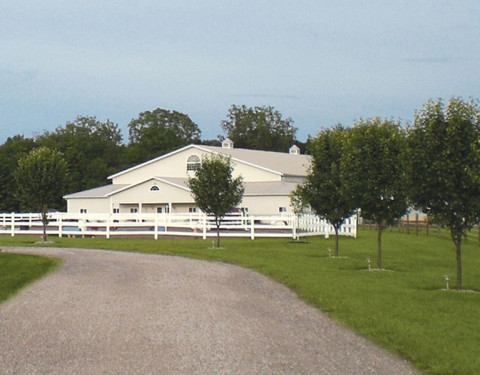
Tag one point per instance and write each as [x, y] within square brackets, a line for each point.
[19, 270]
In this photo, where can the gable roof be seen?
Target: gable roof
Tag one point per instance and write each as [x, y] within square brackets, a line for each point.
[99, 192]
[280, 162]
[108, 190]
[251, 188]
[277, 162]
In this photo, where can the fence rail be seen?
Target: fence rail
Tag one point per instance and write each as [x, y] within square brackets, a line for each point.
[168, 224]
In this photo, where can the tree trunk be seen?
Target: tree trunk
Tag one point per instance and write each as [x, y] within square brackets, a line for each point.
[44, 223]
[336, 240]
[458, 249]
[416, 223]
[217, 221]
[379, 245]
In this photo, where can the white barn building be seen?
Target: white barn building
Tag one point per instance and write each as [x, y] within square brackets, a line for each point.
[159, 185]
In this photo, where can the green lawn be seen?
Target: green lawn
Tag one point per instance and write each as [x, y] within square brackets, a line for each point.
[17, 271]
[404, 309]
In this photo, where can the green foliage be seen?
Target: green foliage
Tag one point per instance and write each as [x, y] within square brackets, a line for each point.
[444, 166]
[41, 177]
[17, 271]
[259, 128]
[326, 191]
[214, 189]
[10, 152]
[374, 167]
[160, 131]
[92, 149]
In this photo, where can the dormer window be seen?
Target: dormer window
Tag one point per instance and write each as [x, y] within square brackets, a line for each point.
[294, 150]
[193, 162]
[227, 143]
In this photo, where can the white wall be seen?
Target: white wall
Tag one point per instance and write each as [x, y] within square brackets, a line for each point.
[261, 205]
[92, 205]
[149, 200]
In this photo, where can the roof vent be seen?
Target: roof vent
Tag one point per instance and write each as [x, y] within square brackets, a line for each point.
[294, 150]
[227, 143]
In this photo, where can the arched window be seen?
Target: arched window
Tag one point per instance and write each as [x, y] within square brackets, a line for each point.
[154, 188]
[193, 162]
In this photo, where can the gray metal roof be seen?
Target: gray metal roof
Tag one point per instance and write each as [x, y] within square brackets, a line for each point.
[99, 192]
[251, 188]
[269, 188]
[284, 163]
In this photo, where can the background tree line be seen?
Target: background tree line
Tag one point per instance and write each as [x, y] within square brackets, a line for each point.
[94, 149]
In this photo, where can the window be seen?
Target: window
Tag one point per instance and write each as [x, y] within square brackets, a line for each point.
[83, 210]
[159, 210]
[116, 210]
[154, 188]
[282, 209]
[133, 210]
[193, 162]
[192, 209]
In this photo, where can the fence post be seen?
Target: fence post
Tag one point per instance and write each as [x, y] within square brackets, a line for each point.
[252, 228]
[107, 229]
[60, 225]
[294, 227]
[204, 226]
[12, 222]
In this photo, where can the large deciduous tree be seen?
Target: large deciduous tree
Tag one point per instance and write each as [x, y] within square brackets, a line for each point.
[325, 189]
[374, 168]
[93, 150]
[41, 178]
[444, 167]
[259, 128]
[160, 131]
[214, 189]
[10, 152]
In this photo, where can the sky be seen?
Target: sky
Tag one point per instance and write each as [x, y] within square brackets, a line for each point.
[317, 62]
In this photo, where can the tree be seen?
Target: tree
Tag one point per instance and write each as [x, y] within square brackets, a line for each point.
[10, 152]
[325, 189]
[41, 178]
[374, 168]
[160, 131]
[93, 150]
[259, 128]
[214, 189]
[444, 167]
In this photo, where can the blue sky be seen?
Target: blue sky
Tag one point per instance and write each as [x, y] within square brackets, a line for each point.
[318, 62]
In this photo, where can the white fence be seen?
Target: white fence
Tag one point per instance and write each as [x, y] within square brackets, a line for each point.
[157, 225]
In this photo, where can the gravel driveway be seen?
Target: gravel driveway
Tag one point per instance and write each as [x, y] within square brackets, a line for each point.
[107, 312]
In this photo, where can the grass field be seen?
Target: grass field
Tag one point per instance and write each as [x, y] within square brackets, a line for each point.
[17, 271]
[403, 309]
